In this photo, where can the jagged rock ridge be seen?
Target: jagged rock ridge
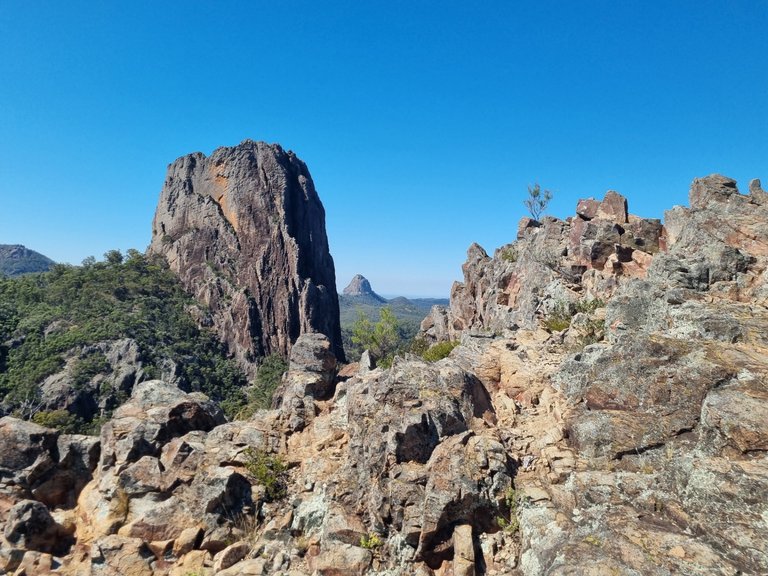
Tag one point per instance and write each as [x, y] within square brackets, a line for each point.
[245, 231]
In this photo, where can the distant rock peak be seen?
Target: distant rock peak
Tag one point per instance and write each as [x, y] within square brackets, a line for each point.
[359, 286]
[16, 260]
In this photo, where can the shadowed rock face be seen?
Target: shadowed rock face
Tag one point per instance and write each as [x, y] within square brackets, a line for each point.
[245, 231]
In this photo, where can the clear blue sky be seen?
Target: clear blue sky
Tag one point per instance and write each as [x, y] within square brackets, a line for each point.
[421, 122]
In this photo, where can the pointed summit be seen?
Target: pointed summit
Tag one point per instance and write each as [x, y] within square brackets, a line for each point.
[359, 286]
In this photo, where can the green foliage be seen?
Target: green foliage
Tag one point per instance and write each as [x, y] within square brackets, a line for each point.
[43, 316]
[87, 367]
[559, 317]
[61, 420]
[269, 471]
[509, 254]
[588, 306]
[537, 201]
[511, 524]
[439, 350]
[409, 314]
[563, 312]
[419, 346]
[259, 396]
[383, 338]
[371, 541]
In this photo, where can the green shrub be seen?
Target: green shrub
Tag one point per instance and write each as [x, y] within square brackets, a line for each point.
[382, 339]
[419, 346]
[512, 501]
[537, 200]
[88, 367]
[559, 318]
[371, 541]
[259, 395]
[269, 471]
[439, 350]
[509, 254]
[60, 420]
[588, 306]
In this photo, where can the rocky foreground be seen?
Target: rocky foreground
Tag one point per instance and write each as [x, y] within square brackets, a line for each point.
[605, 413]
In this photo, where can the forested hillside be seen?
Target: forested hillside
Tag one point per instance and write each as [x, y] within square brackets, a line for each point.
[56, 326]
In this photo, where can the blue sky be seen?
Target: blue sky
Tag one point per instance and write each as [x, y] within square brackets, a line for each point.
[422, 123]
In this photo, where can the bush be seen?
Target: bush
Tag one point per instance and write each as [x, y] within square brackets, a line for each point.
[69, 308]
[269, 471]
[509, 254]
[60, 420]
[537, 201]
[439, 351]
[511, 524]
[559, 317]
[371, 541]
[259, 395]
[382, 339]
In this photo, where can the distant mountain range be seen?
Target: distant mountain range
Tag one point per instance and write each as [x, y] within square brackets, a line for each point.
[359, 296]
[16, 260]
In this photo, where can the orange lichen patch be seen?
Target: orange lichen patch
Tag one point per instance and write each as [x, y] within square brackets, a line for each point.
[219, 194]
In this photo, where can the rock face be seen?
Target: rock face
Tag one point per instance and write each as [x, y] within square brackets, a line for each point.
[359, 286]
[245, 231]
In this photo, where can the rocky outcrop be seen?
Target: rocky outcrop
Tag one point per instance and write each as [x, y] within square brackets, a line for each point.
[553, 262]
[245, 231]
[635, 444]
[78, 390]
[359, 286]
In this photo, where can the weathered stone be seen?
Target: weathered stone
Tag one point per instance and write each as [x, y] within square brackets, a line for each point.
[613, 208]
[29, 525]
[342, 560]
[252, 567]
[463, 551]
[27, 452]
[587, 208]
[119, 556]
[187, 540]
[711, 190]
[156, 413]
[231, 555]
[124, 367]
[245, 231]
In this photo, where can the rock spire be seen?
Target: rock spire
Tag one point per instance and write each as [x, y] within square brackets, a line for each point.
[244, 229]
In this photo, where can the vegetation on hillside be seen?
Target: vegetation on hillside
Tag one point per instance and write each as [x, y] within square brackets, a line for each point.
[387, 338]
[408, 313]
[43, 316]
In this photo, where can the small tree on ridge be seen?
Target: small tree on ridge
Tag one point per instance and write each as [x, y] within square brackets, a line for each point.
[537, 200]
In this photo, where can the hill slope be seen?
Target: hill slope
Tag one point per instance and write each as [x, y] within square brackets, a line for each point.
[16, 260]
[79, 338]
